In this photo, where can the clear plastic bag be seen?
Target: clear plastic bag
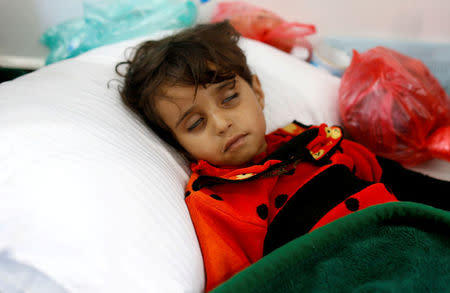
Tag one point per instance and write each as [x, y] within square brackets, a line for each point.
[109, 21]
[265, 26]
[392, 104]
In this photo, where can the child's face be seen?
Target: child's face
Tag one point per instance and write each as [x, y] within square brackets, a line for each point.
[223, 125]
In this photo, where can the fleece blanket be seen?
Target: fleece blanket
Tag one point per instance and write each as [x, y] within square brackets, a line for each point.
[393, 247]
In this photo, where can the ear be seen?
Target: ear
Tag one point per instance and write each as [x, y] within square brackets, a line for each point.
[257, 89]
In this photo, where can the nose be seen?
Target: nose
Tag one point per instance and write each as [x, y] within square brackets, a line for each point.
[221, 122]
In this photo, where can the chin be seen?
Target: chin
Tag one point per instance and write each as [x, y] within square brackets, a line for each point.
[242, 160]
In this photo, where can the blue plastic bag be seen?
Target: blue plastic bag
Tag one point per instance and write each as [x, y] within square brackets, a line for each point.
[109, 21]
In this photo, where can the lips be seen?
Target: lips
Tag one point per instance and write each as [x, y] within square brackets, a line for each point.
[234, 142]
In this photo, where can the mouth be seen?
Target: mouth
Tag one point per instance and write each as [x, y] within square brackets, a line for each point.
[235, 142]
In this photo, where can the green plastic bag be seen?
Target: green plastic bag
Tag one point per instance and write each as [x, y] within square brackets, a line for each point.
[109, 21]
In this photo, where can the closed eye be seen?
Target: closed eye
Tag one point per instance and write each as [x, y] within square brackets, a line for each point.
[195, 124]
[230, 98]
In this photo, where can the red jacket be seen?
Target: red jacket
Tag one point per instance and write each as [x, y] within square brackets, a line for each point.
[308, 177]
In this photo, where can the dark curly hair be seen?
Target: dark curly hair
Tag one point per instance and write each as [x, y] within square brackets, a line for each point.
[204, 54]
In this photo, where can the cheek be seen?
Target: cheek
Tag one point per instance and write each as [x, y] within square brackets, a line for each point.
[260, 119]
[200, 147]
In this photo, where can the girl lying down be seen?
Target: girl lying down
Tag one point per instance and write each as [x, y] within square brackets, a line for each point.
[251, 192]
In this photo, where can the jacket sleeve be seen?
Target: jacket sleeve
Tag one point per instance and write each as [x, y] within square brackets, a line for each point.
[222, 256]
[229, 243]
[365, 164]
[408, 185]
[360, 160]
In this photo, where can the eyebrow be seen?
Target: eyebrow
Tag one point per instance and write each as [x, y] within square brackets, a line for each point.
[218, 89]
[226, 83]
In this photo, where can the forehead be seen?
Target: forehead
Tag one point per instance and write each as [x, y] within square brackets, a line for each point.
[182, 96]
[174, 100]
[179, 92]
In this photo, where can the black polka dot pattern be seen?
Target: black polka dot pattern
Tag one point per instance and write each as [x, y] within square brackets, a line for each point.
[196, 186]
[262, 211]
[187, 194]
[280, 200]
[216, 197]
[352, 204]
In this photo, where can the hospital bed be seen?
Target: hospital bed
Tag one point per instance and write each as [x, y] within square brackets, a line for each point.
[92, 200]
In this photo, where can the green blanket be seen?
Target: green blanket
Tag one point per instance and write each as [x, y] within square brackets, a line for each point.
[394, 247]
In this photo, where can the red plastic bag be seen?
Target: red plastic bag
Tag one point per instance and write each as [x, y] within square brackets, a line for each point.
[262, 25]
[393, 105]
[439, 143]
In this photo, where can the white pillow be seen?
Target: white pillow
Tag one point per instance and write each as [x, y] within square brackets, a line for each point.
[91, 198]
[88, 195]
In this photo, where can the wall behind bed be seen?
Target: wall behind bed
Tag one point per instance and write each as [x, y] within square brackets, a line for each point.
[23, 21]
[412, 19]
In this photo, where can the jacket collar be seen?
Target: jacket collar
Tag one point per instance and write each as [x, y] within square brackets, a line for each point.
[256, 165]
